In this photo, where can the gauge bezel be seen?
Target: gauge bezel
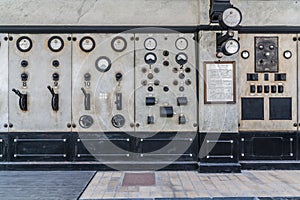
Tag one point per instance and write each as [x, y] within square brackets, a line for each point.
[109, 64]
[87, 38]
[53, 38]
[118, 38]
[224, 21]
[225, 50]
[30, 44]
[187, 43]
[150, 49]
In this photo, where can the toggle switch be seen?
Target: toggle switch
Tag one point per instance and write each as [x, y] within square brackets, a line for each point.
[87, 76]
[87, 99]
[22, 100]
[273, 88]
[118, 101]
[166, 111]
[266, 88]
[259, 89]
[24, 76]
[150, 120]
[280, 89]
[280, 77]
[181, 119]
[55, 99]
[182, 101]
[150, 101]
[252, 77]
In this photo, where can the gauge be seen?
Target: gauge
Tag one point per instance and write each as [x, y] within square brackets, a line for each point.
[181, 58]
[86, 121]
[150, 58]
[231, 47]
[24, 44]
[103, 64]
[87, 44]
[231, 17]
[150, 44]
[55, 44]
[245, 54]
[287, 54]
[118, 121]
[181, 43]
[119, 44]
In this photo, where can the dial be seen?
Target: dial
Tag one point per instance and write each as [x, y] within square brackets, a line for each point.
[181, 43]
[119, 44]
[181, 58]
[231, 47]
[86, 121]
[24, 44]
[150, 44]
[231, 17]
[103, 64]
[87, 44]
[55, 44]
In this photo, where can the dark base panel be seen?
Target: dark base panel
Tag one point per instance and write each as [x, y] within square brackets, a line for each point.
[270, 165]
[219, 168]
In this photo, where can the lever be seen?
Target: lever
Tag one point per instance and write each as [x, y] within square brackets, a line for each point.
[55, 99]
[118, 101]
[87, 99]
[22, 99]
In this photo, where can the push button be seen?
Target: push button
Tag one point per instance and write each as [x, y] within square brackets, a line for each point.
[273, 88]
[266, 89]
[259, 89]
[150, 120]
[280, 89]
[182, 101]
[252, 88]
[150, 101]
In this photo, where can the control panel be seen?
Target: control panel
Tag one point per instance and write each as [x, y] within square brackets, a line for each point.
[39, 82]
[268, 82]
[165, 86]
[4, 125]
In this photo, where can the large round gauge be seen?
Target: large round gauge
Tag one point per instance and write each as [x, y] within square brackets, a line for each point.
[86, 121]
[231, 47]
[87, 44]
[231, 17]
[118, 44]
[103, 64]
[181, 43]
[55, 44]
[150, 44]
[24, 44]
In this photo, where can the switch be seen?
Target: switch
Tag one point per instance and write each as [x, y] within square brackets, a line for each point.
[24, 77]
[87, 99]
[252, 77]
[166, 111]
[252, 88]
[182, 101]
[119, 76]
[280, 89]
[259, 89]
[150, 120]
[181, 119]
[150, 101]
[87, 76]
[22, 100]
[266, 77]
[55, 99]
[24, 63]
[273, 88]
[280, 77]
[55, 76]
[119, 101]
[266, 89]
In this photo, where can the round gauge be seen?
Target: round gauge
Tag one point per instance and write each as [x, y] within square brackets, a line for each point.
[118, 121]
[231, 17]
[287, 54]
[181, 58]
[181, 43]
[119, 44]
[103, 64]
[245, 54]
[150, 44]
[231, 47]
[86, 121]
[24, 44]
[150, 58]
[87, 44]
[55, 44]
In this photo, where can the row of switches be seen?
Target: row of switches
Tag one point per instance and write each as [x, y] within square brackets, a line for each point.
[259, 88]
[181, 119]
[181, 101]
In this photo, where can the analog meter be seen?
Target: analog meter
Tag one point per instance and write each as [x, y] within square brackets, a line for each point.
[118, 44]
[87, 44]
[55, 44]
[231, 17]
[103, 64]
[181, 43]
[24, 44]
[150, 44]
[231, 47]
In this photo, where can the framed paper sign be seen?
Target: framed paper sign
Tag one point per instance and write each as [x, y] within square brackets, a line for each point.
[219, 82]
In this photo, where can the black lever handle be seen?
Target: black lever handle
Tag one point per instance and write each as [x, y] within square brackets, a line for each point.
[22, 100]
[55, 99]
[87, 99]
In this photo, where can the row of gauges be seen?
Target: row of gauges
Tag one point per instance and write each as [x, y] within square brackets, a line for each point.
[150, 44]
[56, 44]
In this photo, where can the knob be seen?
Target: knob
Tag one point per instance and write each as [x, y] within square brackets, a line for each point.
[24, 63]
[55, 76]
[87, 76]
[119, 76]
[24, 77]
[55, 63]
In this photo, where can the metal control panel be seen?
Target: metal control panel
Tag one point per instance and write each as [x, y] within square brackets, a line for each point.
[268, 82]
[165, 82]
[39, 82]
[103, 82]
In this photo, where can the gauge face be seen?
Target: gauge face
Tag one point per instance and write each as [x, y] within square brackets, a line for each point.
[86, 121]
[232, 17]
[181, 58]
[55, 44]
[150, 44]
[87, 44]
[24, 44]
[231, 47]
[181, 43]
[103, 64]
[118, 44]
[150, 58]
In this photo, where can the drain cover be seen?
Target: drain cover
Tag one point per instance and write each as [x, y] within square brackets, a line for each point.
[139, 179]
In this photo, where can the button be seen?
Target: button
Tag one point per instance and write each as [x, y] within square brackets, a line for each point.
[280, 77]
[266, 77]
[55, 76]
[119, 76]
[55, 63]
[181, 119]
[273, 88]
[150, 120]
[87, 76]
[182, 101]
[166, 111]
[252, 77]
[280, 88]
[259, 89]
[24, 63]
[24, 77]
[150, 101]
[266, 89]
[252, 88]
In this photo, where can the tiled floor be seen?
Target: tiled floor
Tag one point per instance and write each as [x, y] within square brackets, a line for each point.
[191, 184]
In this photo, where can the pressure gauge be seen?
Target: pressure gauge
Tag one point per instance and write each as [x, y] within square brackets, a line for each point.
[231, 47]
[103, 64]
[119, 44]
[24, 44]
[150, 44]
[181, 43]
[55, 44]
[231, 17]
[87, 44]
